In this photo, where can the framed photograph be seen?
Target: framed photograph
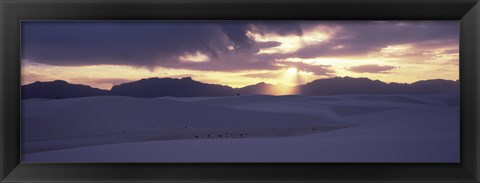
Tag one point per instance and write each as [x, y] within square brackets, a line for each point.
[239, 91]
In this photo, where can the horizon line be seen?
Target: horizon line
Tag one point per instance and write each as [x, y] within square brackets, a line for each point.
[235, 87]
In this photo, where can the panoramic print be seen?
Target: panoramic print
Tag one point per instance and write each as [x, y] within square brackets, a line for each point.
[240, 91]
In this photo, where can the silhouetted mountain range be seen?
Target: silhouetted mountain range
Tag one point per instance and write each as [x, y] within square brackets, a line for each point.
[59, 89]
[187, 87]
[157, 87]
[348, 85]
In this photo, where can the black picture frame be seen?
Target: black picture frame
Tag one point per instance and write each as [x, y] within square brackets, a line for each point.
[14, 11]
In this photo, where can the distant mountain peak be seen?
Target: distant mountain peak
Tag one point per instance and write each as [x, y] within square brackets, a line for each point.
[262, 83]
[187, 87]
[349, 85]
[51, 82]
[165, 78]
[58, 89]
[176, 87]
[60, 81]
[151, 79]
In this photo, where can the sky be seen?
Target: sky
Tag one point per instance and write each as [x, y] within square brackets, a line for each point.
[238, 53]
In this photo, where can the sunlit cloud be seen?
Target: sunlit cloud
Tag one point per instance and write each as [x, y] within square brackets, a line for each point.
[319, 34]
[239, 53]
[395, 50]
[292, 43]
[288, 44]
[196, 57]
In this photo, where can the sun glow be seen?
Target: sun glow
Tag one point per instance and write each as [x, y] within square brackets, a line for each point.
[292, 76]
[292, 70]
[275, 56]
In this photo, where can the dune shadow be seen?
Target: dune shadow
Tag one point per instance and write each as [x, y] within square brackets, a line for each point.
[42, 145]
[342, 110]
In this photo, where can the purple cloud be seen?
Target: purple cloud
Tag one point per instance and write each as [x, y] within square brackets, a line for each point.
[152, 44]
[319, 70]
[371, 69]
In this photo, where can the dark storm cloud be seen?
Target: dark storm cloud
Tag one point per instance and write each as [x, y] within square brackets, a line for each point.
[371, 69]
[145, 43]
[236, 31]
[124, 43]
[282, 28]
[160, 43]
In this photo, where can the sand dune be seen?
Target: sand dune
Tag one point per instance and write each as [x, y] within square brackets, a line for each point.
[257, 128]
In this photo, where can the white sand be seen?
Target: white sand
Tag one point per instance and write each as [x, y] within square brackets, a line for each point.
[343, 128]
